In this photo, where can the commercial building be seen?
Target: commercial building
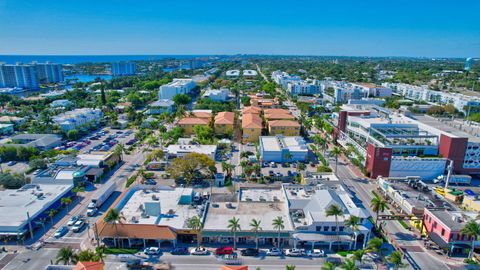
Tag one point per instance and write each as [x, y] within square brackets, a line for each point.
[22, 210]
[180, 150]
[251, 127]
[444, 228]
[98, 159]
[235, 73]
[41, 142]
[309, 87]
[283, 149]
[224, 123]
[220, 95]
[177, 86]
[308, 207]
[6, 129]
[161, 106]
[263, 204]
[345, 91]
[123, 68]
[78, 118]
[249, 73]
[397, 146]
[19, 75]
[284, 127]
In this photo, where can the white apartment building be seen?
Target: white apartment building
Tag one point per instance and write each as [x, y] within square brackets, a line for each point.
[283, 78]
[177, 86]
[217, 94]
[308, 87]
[78, 118]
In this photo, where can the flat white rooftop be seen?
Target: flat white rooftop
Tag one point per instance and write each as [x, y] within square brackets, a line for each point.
[31, 198]
[179, 149]
[277, 143]
[172, 212]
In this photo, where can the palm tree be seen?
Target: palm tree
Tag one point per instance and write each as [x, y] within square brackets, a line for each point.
[119, 151]
[336, 152]
[87, 255]
[278, 225]
[51, 214]
[395, 258]
[358, 255]
[234, 226]
[353, 223]
[349, 265]
[471, 229]
[290, 267]
[288, 156]
[195, 223]
[255, 224]
[336, 211]
[114, 217]
[66, 256]
[378, 205]
[328, 266]
[156, 155]
[66, 201]
[320, 141]
[100, 253]
[375, 245]
[227, 168]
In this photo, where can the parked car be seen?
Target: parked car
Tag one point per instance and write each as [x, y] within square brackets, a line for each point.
[150, 182]
[334, 260]
[91, 212]
[152, 251]
[294, 252]
[11, 163]
[316, 253]
[72, 220]
[179, 251]
[199, 251]
[128, 258]
[60, 232]
[249, 252]
[223, 250]
[78, 226]
[274, 252]
[271, 173]
[37, 171]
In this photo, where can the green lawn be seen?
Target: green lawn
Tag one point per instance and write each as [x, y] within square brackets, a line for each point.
[121, 251]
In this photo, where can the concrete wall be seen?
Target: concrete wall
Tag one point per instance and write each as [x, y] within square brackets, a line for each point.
[426, 168]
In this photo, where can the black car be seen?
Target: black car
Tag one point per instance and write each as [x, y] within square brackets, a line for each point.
[249, 252]
[179, 251]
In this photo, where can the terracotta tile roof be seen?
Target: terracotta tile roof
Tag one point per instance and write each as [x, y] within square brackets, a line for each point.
[283, 123]
[141, 231]
[276, 111]
[251, 120]
[89, 266]
[225, 118]
[193, 121]
[231, 267]
[278, 114]
[251, 109]
[202, 114]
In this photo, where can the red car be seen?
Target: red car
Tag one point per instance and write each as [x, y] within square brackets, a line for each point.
[224, 251]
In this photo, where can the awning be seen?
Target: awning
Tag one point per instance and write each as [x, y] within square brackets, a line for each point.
[261, 234]
[438, 240]
[317, 237]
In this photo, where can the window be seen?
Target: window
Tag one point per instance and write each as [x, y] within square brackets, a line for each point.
[443, 232]
[340, 228]
[325, 228]
[434, 224]
[318, 228]
[334, 229]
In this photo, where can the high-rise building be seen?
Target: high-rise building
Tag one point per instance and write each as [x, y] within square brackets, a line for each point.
[49, 72]
[19, 75]
[123, 68]
[468, 64]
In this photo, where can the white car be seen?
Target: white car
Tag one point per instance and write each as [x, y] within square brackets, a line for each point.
[199, 251]
[152, 251]
[78, 226]
[72, 220]
[294, 252]
[274, 252]
[315, 253]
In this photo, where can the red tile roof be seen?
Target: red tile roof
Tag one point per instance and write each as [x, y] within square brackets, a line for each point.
[283, 123]
[193, 121]
[225, 118]
[251, 120]
[251, 109]
[89, 266]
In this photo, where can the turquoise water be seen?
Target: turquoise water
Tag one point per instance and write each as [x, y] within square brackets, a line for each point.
[88, 78]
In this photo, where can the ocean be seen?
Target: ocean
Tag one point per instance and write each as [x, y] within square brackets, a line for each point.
[75, 59]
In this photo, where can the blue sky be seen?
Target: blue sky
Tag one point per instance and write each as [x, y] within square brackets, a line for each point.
[356, 27]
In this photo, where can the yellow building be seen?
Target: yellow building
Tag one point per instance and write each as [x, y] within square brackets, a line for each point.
[471, 203]
[284, 127]
[224, 123]
[188, 123]
[251, 127]
[277, 114]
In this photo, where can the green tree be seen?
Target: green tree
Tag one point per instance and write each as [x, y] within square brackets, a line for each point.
[278, 225]
[472, 229]
[181, 99]
[51, 213]
[290, 267]
[12, 181]
[395, 258]
[120, 150]
[38, 163]
[66, 256]
[353, 223]
[195, 223]
[328, 266]
[349, 265]
[255, 225]
[227, 169]
[114, 217]
[66, 201]
[73, 135]
[378, 205]
[375, 245]
[204, 134]
[358, 255]
[234, 226]
[336, 152]
[191, 166]
[87, 255]
[335, 211]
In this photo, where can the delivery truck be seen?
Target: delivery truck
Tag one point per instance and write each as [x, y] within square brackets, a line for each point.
[100, 197]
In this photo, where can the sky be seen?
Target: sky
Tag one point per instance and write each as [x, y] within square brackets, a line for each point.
[418, 28]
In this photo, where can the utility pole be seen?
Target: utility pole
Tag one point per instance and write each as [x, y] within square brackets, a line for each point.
[449, 174]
